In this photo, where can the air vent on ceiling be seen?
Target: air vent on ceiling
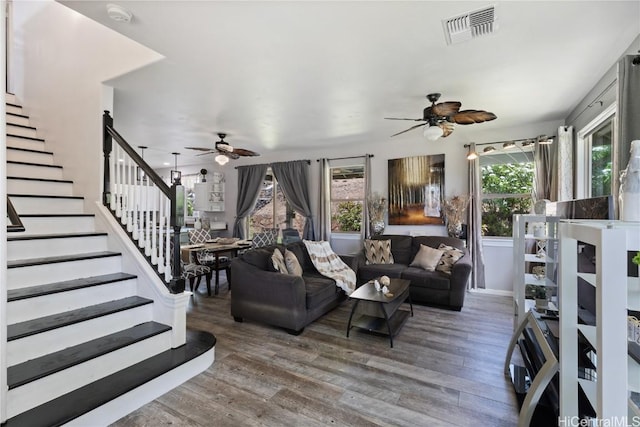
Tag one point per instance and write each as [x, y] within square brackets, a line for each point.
[470, 25]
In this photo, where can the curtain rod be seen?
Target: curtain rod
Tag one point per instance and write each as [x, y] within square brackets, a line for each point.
[508, 140]
[308, 162]
[350, 157]
[597, 98]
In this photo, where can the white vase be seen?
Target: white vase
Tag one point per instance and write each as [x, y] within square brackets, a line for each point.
[629, 196]
[198, 224]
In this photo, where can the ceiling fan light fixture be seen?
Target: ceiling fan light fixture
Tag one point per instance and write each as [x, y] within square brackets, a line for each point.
[432, 133]
[221, 159]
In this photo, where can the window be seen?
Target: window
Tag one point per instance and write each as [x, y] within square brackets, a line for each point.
[595, 143]
[507, 185]
[347, 198]
[599, 146]
[272, 210]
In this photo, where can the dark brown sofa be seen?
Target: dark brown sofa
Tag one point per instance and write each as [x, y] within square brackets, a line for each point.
[261, 294]
[427, 287]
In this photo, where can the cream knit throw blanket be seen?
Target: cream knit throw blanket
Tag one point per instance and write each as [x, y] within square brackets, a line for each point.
[329, 264]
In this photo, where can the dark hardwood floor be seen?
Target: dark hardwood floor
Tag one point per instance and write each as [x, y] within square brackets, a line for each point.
[445, 370]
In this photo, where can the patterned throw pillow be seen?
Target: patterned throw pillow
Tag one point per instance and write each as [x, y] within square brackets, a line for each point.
[266, 238]
[427, 258]
[278, 261]
[378, 251]
[450, 257]
[293, 266]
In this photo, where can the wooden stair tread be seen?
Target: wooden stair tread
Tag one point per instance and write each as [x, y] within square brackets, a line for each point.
[61, 258]
[29, 149]
[15, 162]
[67, 285]
[40, 367]
[43, 215]
[78, 402]
[59, 320]
[24, 178]
[21, 126]
[55, 236]
[18, 115]
[45, 196]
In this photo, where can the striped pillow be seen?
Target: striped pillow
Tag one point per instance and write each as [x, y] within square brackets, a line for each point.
[378, 251]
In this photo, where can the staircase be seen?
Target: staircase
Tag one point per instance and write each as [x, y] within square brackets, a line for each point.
[83, 347]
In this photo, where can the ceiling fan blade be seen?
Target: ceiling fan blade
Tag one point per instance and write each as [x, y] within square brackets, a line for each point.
[206, 154]
[198, 148]
[468, 117]
[244, 152]
[446, 127]
[445, 109]
[411, 128]
[232, 155]
[397, 118]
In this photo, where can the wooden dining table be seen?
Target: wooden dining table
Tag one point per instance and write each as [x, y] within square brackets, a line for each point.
[217, 249]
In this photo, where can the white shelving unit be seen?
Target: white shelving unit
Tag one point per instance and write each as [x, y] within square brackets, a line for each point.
[545, 243]
[613, 394]
[209, 196]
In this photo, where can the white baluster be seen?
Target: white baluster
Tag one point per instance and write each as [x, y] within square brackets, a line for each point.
[112, 185]
[161, 264]
[167, 271]
[136, 202]
[131, 203]
[118, 180]
[147, 216]
[154, 239]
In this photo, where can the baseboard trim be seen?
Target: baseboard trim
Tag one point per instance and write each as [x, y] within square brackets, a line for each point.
[499, 292]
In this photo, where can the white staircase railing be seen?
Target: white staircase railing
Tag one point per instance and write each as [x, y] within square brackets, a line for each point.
[144, 205]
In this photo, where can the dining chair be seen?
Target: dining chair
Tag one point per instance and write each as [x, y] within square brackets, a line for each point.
[209, 258]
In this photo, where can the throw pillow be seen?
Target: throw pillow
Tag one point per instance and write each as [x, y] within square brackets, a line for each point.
[450, 257]
[427, 258]
[293, 266]
[378, 251]
[278, 261]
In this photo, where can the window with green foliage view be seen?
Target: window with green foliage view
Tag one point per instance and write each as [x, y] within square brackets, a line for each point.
[347, 198]
[507, 182]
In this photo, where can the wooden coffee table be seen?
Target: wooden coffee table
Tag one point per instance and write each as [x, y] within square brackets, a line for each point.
[391, 319]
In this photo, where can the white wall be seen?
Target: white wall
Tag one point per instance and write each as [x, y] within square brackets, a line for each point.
[60, 60]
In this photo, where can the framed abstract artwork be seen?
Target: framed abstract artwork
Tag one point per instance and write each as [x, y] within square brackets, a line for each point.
[416, 190]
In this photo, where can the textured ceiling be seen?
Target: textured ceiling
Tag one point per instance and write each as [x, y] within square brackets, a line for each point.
[292, 75]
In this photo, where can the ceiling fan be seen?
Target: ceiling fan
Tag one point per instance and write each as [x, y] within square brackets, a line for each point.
[224, 150]
[441, 117]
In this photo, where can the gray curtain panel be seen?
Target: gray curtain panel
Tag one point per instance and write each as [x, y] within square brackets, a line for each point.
[544, 170]
[474, 224]
[249, 182]
[628, 114]
[293, 178]
[324, 211]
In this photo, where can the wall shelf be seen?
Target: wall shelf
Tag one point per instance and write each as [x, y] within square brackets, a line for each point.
[525, 241]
